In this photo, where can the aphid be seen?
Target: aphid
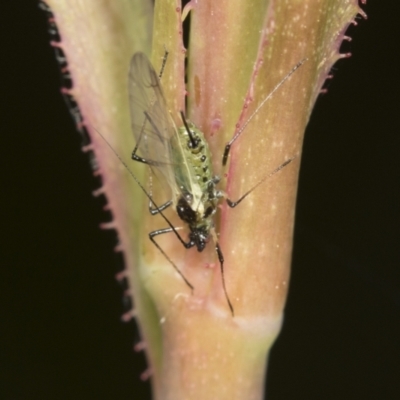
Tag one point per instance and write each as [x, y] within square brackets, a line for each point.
[180, 157]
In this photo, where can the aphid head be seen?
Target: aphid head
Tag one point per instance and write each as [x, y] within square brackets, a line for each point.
[199, 238]
[199, 225]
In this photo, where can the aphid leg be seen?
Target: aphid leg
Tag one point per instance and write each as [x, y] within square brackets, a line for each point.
[152, 236]
[240, 130]
[233, 204]
[134, 156]
[221, 265]
[156, 210]
[164, 61]
[152, 208]
[138, 158]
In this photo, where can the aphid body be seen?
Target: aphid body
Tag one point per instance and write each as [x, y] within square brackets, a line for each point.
[181, 158]
[179, 155]
[197, 197]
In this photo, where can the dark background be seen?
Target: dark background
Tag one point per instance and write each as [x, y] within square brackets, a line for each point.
[61, 336]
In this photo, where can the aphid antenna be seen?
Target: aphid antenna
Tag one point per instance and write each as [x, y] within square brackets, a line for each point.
[159, 210]
[240, 131]
[233, 204]
[192, 139]
[164, 62]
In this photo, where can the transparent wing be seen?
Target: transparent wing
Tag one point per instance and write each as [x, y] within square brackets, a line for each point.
[152, 125]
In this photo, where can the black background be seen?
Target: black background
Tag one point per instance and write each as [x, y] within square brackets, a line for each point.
[61, 335]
